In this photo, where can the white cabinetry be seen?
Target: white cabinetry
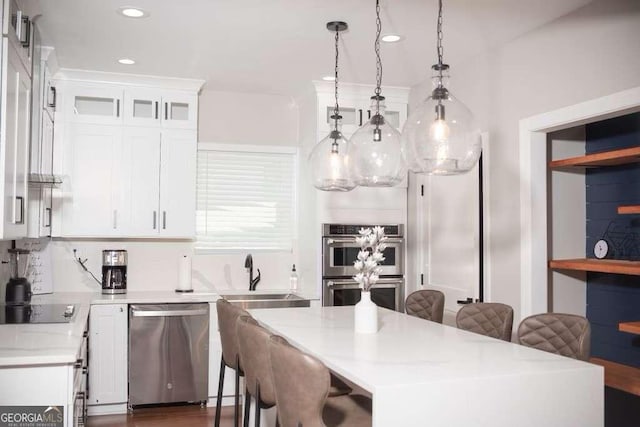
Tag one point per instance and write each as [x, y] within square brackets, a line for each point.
[14, 141]
[129, 160]
[108, 358]
[89, 204]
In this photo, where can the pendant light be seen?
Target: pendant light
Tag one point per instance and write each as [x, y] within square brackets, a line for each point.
[375, 152]
[441, 137]
[329, 159]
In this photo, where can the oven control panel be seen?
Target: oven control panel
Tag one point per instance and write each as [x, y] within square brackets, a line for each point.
[391, 230]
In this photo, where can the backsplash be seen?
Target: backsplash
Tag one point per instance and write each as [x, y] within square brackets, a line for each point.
[153, 265]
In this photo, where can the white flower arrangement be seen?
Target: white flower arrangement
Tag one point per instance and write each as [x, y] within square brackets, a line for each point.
[372, 246]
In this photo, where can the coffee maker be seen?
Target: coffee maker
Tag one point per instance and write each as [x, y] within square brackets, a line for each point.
[114, 271]
[18, 290]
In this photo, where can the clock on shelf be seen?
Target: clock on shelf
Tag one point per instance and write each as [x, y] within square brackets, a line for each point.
[601, 249]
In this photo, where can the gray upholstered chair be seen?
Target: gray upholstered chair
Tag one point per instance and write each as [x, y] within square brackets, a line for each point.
[487, 318]
[253, 343]
[427, 304]
[565, 334]
[227, 316]
[302, 385]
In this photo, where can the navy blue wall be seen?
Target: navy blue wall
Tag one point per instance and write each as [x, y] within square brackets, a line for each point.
[612, 298]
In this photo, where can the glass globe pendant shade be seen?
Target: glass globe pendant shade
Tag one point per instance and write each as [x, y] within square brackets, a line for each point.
[375, 152]
[441, 137]
[329, 161]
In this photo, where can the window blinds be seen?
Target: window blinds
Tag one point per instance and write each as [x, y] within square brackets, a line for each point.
[245, 200]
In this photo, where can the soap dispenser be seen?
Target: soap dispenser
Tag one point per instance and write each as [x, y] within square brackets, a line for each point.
[293, 279]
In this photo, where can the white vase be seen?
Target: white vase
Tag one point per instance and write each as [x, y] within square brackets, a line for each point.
[366, 315]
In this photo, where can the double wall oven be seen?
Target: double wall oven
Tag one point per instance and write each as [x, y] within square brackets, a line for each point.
[339, 251]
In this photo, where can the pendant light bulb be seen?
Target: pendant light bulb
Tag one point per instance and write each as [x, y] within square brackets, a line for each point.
[329, 159]
[441, 136]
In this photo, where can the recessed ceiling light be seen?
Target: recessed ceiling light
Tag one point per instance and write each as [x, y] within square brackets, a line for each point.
[132, 12]
[391, 38]
[328, 78]
[126, 61]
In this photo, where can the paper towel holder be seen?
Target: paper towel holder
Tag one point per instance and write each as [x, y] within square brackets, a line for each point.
[184, 275]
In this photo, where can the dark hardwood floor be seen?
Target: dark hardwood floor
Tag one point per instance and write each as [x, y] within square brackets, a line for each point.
[170, 416]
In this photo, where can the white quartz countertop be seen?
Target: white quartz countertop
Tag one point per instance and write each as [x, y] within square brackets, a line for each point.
[58, 343]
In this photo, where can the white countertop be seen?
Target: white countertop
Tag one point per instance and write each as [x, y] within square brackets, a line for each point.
[412, 362]
[58, 343]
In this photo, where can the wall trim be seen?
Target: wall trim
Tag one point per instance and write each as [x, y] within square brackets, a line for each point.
[533, 185]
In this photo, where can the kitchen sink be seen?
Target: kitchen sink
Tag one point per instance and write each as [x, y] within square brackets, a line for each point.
[254, 300]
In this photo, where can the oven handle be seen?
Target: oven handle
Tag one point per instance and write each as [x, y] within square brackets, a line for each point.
[332, 241]
[351, 284]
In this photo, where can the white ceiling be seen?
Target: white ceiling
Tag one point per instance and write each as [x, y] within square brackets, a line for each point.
[279, 46]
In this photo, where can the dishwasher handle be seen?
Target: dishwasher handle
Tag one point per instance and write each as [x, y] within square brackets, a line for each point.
[168, 313]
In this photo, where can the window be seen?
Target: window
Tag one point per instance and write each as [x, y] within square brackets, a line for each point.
[245, 197]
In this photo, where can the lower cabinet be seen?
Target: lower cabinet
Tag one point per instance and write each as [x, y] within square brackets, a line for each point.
[215, 354]
[58, 390]
[108, 359]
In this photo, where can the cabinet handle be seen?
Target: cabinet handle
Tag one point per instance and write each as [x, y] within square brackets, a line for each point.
[164, 220]
[20, 199]
[360, 114]
[115, 219]
[369, 114]
[47, 217]
[166, 111]
[52, 103]
[78, 364]
[117, 108]
[156, 110]
[155, 214]
[26, 28]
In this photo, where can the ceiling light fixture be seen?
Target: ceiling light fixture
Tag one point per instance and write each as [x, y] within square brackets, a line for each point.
[441, 137]
[330, 157]
[126, 61]
[132, 12]
[328, 78]
[391, 38]
[375, 152]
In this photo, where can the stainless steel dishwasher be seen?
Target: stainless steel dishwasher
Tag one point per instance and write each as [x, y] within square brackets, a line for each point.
[168, 353]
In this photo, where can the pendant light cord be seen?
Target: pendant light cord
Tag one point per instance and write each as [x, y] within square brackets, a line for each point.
[439, 44]
[378, 60]
[336, 108]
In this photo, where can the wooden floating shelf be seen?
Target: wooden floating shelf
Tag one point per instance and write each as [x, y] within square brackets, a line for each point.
[631, 327]
[605, 158]
[597, 265]
[629, 209]
[619, 376]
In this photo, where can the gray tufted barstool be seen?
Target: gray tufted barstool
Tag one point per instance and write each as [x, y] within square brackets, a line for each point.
[487, 318]
[302, 385]
[227, 316]
[564, 334]
[427, 304]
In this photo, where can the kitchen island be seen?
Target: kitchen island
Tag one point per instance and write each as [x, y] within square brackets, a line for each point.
[424, 373]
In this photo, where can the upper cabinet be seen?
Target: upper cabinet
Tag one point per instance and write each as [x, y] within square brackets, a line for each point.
[127, 153]
[18, 28]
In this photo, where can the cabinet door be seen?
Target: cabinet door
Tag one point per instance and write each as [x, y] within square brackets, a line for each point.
[178, 183]
[91, 160]
[142, 107]
[140, 191]
[17, 114]
[93, 104]
[108, 354]
[179, 110]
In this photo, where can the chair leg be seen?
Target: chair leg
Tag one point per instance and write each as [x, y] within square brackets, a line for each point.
[247, 404]
[220, 386]
[236, 409]
[257, 404]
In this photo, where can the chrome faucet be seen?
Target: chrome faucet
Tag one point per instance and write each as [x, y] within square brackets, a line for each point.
[248, 264]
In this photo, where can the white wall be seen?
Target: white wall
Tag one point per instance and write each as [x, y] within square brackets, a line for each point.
[589, 53]
[224, 117]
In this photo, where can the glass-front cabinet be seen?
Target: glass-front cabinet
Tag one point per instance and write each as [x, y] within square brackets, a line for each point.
[170, 109]
[91, 104]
